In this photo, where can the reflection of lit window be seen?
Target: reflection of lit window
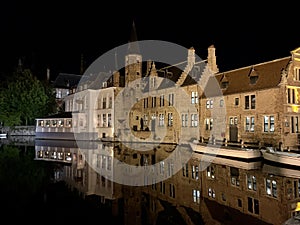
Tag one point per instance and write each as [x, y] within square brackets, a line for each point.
[162, 167]
[196, 196]
[195, 172]
[109, 161]
[251, 181]
[68, 156]
[69, 123]
[271, 187]
[103, 120]
[98, 161]
[223, 197]
[185, 170]
[162, 187]
[234, 176]
[297, 189]
[172, 190]
[170, 168]
[103, 162]
[210, 171]
[235, 181]
[211, 193]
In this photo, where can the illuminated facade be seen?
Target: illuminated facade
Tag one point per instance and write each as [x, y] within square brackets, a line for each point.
[149, 102]
[261, 102]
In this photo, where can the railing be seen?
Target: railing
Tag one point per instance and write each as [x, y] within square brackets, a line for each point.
[226, 143]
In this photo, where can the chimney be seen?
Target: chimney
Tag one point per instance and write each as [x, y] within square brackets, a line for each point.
[191, 57]
[211, 59]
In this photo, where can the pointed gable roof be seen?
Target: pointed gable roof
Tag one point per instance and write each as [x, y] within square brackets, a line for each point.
[133, 46]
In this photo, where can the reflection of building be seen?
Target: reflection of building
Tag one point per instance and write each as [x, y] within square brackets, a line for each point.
[191, 189]
[223, 190]
[55, 151]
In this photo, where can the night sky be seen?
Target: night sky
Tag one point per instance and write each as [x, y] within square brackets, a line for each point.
[54, 34]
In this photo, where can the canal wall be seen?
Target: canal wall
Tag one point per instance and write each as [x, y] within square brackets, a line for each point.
[18, 130]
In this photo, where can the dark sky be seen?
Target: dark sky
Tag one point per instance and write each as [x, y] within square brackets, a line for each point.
[56, 33]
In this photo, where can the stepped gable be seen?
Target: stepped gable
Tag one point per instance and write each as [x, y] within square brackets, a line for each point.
[195, 74]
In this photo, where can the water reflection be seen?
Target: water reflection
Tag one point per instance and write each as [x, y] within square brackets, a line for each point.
[184, 189]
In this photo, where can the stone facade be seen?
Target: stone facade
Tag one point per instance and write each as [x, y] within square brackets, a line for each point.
[260, 104]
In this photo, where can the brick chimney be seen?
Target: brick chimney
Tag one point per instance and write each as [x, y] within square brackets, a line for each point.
[211, 59]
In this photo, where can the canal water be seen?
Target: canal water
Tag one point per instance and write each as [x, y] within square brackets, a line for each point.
[64, 182]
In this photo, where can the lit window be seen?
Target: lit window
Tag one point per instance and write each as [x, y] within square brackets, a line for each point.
[269, 124]
[194, 98]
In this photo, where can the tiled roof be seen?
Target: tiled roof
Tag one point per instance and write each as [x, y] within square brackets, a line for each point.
[268, 76]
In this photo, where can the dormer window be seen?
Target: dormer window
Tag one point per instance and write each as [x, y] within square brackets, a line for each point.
[253, 79]
[224, 82]
[253, 76]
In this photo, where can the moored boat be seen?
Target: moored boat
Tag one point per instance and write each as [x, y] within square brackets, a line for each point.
[286, 158]
[281, 171]
[227, 152]
[207, 159]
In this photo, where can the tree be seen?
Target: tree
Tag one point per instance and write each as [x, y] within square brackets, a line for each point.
[24, 98]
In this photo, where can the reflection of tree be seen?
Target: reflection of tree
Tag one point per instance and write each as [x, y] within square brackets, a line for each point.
[21, 178]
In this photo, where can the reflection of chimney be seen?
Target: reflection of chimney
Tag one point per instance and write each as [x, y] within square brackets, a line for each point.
[116, 79]
[48, 74]
[149, 64]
